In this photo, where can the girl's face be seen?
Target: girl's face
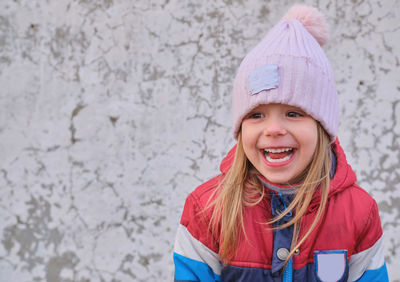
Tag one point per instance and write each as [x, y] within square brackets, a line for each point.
[279, 140]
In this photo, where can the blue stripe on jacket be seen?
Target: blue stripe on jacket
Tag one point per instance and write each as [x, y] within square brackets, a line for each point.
[187, 269]
[375, 275]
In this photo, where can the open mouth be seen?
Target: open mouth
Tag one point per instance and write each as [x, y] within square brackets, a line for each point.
[278, 155]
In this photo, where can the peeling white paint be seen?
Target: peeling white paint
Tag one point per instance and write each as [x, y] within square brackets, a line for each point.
[113, 112]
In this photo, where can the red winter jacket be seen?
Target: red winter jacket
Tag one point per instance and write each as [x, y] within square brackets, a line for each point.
[346, 245]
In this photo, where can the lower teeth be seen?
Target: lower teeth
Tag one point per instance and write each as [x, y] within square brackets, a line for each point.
[277, 160]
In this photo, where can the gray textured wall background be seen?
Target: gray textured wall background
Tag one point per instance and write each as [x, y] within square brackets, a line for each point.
[112, 111]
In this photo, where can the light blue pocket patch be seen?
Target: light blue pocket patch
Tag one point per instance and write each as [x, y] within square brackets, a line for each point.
[263, 78]
[330, 265]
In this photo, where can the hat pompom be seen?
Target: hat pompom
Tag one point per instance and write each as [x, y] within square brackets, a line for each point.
[312, 19]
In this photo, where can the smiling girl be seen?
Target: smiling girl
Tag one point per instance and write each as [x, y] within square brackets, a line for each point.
[285, 206]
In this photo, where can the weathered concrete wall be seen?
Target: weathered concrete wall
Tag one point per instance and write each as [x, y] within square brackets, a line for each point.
[112, 111]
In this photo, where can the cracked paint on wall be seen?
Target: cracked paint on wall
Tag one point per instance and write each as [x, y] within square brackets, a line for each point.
[113, 111]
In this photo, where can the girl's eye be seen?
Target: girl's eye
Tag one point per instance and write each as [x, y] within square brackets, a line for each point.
[256, 115]
[294, 114]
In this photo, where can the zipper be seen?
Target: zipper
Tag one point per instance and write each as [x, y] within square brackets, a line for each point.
[288, 272]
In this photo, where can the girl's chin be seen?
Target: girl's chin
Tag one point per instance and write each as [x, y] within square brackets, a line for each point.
[278, 179]
[284, 177]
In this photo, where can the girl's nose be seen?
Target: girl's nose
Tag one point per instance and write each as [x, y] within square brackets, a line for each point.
[274, 127]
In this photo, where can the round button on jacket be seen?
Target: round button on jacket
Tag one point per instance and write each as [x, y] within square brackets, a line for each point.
[282, 253]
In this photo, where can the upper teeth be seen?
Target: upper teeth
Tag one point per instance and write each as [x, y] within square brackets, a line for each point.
[277, 150]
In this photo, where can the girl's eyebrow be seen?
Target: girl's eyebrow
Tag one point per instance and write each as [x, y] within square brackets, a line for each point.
[297, 109]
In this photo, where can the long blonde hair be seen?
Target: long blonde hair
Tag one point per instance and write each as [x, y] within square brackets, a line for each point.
[241, 188]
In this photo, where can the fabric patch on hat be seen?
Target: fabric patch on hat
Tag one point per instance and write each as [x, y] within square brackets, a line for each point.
[330, 265]
[263, 78]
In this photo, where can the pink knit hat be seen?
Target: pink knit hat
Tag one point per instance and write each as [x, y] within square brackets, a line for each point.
[289, 67]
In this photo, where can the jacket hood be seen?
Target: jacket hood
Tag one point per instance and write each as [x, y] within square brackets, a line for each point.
[344, 175]
[228, 160]
[343, 179]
